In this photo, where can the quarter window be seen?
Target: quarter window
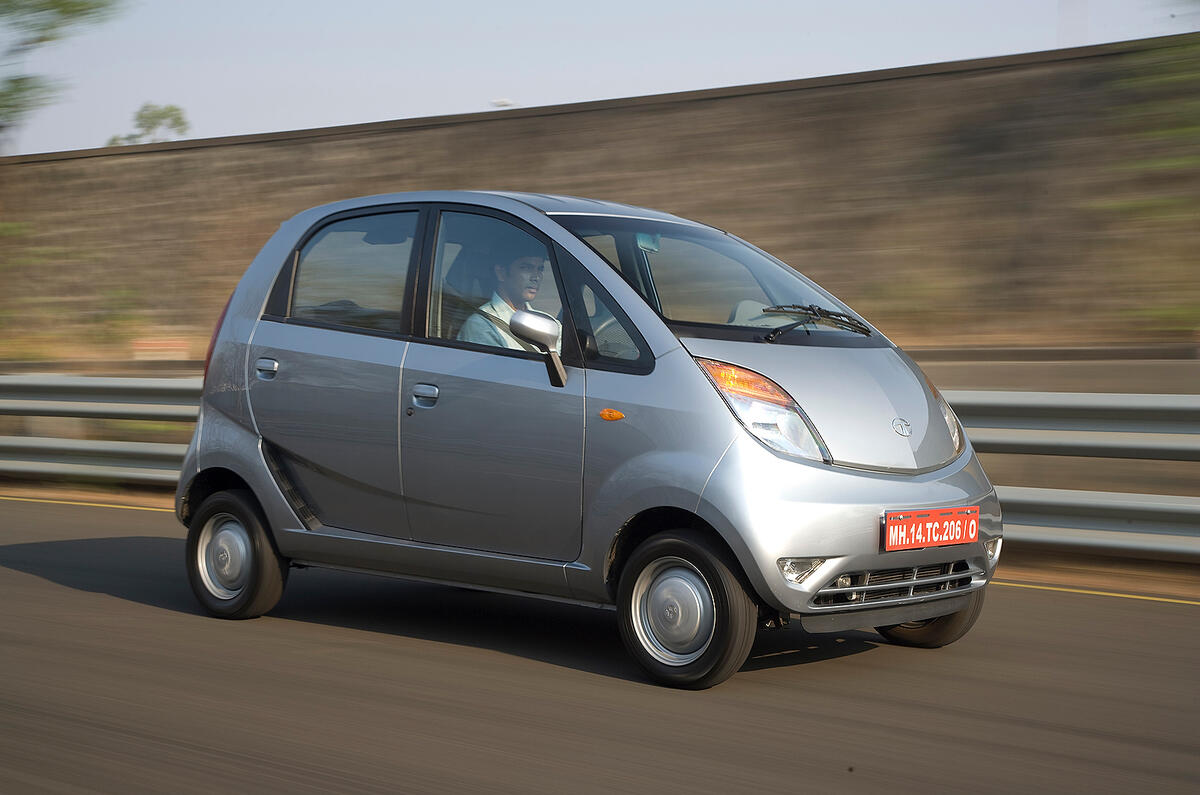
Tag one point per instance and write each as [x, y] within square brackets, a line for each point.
[606, 334]
[354, 272]
[613, 340]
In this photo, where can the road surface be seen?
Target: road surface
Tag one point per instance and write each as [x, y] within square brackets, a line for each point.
[111, 680]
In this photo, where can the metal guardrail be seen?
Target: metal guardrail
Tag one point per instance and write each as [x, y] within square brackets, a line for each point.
[172, 399]
[1137, 525]
[1156, 427]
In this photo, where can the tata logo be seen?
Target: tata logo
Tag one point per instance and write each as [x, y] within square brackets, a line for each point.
[901, 427]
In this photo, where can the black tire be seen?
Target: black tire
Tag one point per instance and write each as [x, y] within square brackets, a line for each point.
[934, 632]
[679, 645]
[230, 527]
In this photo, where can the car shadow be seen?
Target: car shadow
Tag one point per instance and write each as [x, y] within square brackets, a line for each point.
[149, 571]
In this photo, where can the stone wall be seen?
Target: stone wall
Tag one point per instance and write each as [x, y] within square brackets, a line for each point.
[1013, 200]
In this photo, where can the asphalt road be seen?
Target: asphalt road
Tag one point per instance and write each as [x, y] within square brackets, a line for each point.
[111, 680]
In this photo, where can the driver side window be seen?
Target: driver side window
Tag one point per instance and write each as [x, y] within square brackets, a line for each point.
[484, 270]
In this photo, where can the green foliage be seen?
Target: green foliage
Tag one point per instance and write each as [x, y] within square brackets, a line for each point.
[1152, 207]
[26, 25]
[152, 121]
[118, 316]
[1159, 94]
[20, 95]
[1152, 199]
[38, 22]
[1172, 163]
[39, 255]
[1171, 317]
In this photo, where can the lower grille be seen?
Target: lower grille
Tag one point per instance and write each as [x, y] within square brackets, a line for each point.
[895, 585]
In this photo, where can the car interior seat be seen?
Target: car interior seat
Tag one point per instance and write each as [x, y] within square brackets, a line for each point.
[467, 285]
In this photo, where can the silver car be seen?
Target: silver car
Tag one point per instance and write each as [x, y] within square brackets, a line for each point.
[583, 401]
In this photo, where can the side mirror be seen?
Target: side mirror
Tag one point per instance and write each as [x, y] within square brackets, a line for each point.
[541, 331]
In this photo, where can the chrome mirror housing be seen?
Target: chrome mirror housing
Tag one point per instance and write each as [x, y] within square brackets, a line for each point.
[542, 332]
[538, 329]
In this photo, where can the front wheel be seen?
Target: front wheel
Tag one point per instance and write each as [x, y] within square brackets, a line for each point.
[683, 611]
[232, 566]
[934, 632]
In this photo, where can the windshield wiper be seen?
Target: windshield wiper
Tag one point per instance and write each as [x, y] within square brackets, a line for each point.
[840, 319]
[786, 327]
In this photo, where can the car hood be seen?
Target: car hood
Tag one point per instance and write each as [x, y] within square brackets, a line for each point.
[852, 396]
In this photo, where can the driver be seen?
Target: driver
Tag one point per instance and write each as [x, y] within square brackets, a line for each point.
[517, 284]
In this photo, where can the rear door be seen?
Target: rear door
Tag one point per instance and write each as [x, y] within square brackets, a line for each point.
[493, 453]
[324, 369]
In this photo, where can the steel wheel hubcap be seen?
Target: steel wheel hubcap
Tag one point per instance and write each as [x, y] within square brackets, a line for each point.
[673, 611]
[224, 554]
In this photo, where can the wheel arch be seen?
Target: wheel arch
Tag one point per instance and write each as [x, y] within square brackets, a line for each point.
[650, 522]
[206, 483]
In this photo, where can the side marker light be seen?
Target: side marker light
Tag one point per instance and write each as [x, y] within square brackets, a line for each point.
[612, 415]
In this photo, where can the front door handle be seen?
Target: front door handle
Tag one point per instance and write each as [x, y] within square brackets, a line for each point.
[424, 395]
[266, 368]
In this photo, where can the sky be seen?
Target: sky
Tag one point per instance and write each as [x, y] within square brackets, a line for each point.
[251, 66]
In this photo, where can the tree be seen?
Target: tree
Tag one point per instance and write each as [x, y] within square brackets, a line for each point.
[153, 122]
[26, 25]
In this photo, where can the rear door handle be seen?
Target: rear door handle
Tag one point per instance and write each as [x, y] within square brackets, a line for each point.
[424, 395]
[266, 368]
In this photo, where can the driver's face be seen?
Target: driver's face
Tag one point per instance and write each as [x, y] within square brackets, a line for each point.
[520, 280]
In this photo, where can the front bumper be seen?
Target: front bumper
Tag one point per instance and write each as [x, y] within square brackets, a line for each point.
[881, 616]
[769, 508]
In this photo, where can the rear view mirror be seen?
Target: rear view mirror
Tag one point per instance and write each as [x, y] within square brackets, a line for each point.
[540, 331]
[648, 242]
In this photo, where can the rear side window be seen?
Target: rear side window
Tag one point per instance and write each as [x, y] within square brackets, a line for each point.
[354, 272]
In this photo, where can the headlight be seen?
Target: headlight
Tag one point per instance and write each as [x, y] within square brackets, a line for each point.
[766, 410]
[952, 423]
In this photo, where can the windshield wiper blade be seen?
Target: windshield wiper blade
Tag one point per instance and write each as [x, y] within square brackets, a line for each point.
[847, 322]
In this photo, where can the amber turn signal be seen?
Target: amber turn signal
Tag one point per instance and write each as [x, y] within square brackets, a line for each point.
[740, 382]
[611, 415]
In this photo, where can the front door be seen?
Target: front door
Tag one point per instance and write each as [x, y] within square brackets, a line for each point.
[491, 452]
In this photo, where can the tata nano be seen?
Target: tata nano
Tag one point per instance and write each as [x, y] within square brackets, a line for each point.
[583, 401]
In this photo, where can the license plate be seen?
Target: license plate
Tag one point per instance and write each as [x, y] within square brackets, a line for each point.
[930, 527]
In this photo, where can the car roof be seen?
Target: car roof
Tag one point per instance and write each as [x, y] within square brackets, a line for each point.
[546, 203]
[554, 204]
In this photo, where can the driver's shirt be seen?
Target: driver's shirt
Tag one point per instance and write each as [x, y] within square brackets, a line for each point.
[481, 330]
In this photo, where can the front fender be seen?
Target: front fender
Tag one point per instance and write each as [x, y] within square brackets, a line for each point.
[656, 479]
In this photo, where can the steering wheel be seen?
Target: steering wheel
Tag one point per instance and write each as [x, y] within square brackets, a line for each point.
[604, 326]
[618, 345]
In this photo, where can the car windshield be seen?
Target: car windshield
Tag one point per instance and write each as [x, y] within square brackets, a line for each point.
[693, 274]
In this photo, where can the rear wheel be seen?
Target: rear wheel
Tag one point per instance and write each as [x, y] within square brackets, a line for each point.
[934, 632]
[232, 566]
[684, 614]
